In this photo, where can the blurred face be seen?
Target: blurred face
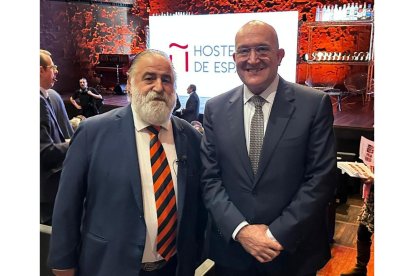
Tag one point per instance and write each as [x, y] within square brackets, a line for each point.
[257, 55]
[152, 89]
[83, 84]
[48, 74]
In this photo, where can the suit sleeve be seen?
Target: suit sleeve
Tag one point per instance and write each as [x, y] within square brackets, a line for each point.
[52, 154]
[317, 188]
[67, 214]
[227, 216]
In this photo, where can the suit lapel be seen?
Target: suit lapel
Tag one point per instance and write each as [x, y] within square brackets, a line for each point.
[279, 118]
[127, 141]
[235, 116]
[180, 141]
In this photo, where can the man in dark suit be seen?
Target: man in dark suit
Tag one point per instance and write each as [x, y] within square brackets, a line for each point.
[191, 110]
[53, 146]
[129, 201]
[267, 196]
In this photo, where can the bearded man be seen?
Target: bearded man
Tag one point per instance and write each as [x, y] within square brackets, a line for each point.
[129, 201]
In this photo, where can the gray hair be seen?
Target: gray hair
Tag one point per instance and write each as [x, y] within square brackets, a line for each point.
[132, 69]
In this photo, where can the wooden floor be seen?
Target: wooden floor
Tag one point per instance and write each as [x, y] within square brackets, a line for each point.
[354, 113]
[344, 248]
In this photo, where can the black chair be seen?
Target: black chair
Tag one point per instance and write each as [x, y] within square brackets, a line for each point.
[45, 232]
[357, 84]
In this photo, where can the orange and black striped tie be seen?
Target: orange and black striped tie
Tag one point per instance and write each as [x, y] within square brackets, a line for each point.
[164, 196]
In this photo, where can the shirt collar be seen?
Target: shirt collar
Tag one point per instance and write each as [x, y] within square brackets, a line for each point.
[269, 94]
[44, 92]
[140, 124]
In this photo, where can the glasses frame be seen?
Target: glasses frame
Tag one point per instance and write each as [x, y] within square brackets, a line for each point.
[261, 51]
[54, 67]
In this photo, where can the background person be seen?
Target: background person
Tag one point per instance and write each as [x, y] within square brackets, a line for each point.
[61, 114]
[116, 177]
[268, 154]
[53, 146]
[191, 110]
[365, 232]
[87, 97]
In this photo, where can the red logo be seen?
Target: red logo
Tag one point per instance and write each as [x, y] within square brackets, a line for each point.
[185, 53]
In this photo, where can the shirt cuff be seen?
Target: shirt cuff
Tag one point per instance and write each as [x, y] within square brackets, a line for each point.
[270, 235]
[238, 228]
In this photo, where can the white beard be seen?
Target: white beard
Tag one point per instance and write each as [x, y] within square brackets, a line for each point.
[153, 108]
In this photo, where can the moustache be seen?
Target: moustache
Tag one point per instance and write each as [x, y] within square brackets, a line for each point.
[154, 96]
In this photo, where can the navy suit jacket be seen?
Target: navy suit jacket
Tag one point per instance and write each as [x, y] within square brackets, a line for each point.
[191, 111]
[98, 221]
[293, 185]
[52, 152]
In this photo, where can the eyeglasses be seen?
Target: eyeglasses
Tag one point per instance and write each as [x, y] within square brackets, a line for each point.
[54, 67]
[261, 51]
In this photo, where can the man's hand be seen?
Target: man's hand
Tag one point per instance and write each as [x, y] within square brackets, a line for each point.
[254, 240]
[65, 272]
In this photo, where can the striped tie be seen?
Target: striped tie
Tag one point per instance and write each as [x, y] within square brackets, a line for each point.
[164, 196]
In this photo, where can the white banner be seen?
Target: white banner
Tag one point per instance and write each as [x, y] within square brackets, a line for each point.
[201, 47]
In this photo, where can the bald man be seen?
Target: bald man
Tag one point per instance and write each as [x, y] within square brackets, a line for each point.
[268, 155]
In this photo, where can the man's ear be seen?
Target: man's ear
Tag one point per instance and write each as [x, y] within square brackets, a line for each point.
[281, 55]
[128, 86]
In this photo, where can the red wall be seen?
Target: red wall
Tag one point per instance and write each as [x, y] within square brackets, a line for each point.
[75, 33]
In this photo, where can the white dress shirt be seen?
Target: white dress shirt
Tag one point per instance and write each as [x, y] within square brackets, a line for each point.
[142, 138]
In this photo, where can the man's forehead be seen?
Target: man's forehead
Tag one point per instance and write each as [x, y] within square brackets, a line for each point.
[155, 63]
[48, 59]
[156, 69]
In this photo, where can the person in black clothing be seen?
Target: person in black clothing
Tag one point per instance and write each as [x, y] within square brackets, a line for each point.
[191, 110]
[88, 97]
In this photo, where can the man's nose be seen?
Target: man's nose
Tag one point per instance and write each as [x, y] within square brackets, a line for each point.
[253, 57]
[158, 86]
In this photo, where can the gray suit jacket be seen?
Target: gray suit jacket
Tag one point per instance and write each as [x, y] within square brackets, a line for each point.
[61, 114]
[52, 153]
[293, 185]
[98, 221]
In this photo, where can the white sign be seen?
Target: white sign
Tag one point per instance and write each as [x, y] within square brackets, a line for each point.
[366, 152]
[201, 47]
